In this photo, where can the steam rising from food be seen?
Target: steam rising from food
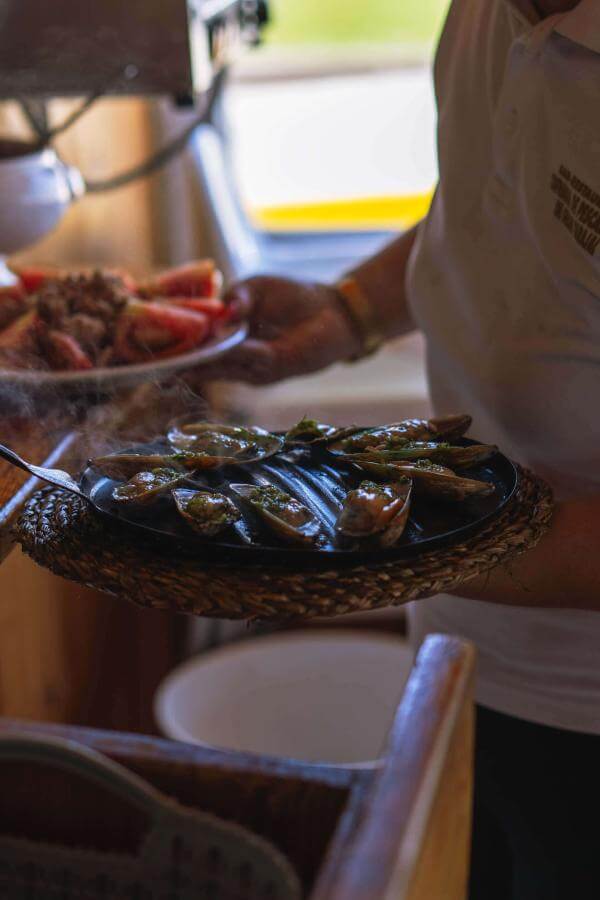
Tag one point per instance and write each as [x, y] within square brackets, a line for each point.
[53, 319]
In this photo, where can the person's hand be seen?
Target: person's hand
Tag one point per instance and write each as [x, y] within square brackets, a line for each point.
[294, 328]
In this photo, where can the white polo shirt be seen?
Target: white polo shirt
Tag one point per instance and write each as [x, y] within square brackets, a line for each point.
[505, 283]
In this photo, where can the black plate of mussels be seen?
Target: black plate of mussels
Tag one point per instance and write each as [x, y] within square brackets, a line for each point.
[316, 495]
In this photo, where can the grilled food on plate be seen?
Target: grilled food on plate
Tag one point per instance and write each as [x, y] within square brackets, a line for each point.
[221, 478]
[56, 320]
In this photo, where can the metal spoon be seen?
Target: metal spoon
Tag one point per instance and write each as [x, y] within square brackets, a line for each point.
[53, 476]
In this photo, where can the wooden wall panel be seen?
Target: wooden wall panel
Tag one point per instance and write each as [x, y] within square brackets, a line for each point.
[72, 655]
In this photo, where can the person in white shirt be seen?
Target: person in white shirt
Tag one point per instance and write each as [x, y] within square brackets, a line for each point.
[503, 279]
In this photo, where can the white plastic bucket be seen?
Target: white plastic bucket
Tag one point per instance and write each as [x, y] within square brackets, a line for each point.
[317, 696]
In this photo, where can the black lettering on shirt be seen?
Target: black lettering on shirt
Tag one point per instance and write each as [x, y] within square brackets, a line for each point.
[578, 208]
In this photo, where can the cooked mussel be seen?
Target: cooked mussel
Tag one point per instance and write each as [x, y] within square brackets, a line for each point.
[211, 436]
[221, 445]
[386, 437]
[361, 441]
[309, 432]
[125, 465]
[378, 511]
[207, 512]
[286, 516]
[446, 454]
[440, 481]
[146, 486]
[432, 479]
[447, 428]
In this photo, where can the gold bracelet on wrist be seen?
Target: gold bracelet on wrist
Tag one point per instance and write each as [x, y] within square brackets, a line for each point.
[362, 316]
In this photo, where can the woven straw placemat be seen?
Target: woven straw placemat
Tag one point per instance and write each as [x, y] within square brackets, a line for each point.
[60, 532]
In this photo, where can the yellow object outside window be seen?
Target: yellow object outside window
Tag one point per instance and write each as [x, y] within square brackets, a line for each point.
[362, 213]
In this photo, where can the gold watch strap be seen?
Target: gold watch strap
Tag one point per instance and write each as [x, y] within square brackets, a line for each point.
[360, 312]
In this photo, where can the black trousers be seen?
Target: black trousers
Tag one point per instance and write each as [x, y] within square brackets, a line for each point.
[536, 828]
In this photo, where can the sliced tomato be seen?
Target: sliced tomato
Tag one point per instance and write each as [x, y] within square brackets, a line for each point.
[210, 306]
[200, 278]
[151, 330]
[64, 352]
[20, 333]
[33, 277]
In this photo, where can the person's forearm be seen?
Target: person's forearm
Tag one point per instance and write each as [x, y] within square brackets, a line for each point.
[382, 279]
[562, 571]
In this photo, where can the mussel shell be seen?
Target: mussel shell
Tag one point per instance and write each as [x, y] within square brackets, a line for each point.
[378, 512]
[456, 457]
[227, 512]
[443, 483]
[437, 481]
[350, 443]
[367, 509]
[449, 427]
[383, 436]
[221, 445]
[126, 465]
[388, 472]
[444, 428]
[304, 531]
[316, 433]
[365, 440]
[183, 433]
[146, 486]
[308, 431]
[395, 529]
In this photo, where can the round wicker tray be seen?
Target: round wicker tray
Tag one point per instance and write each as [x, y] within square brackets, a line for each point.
[60, 532]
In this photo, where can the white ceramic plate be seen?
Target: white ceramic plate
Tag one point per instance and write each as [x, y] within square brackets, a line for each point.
[319, 696]
[115, 377]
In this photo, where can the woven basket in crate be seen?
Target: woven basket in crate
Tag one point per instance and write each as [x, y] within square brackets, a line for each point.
[184, 853]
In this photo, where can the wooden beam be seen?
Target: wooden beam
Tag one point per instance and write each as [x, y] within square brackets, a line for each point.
[413, 835]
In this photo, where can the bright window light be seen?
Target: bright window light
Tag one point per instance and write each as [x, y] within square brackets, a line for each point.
[353, 145]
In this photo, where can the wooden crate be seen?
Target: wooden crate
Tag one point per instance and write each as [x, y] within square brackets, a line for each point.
[401, 831]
